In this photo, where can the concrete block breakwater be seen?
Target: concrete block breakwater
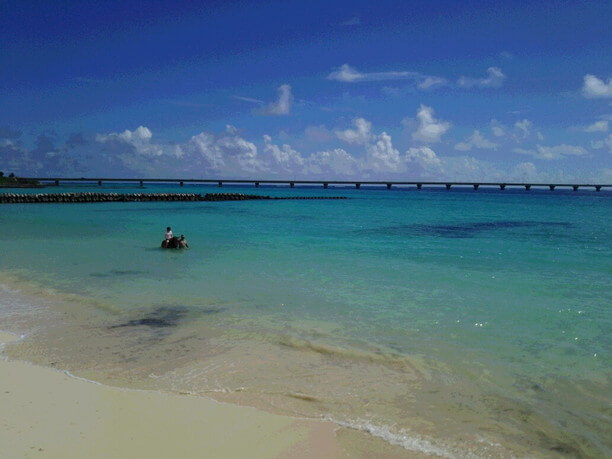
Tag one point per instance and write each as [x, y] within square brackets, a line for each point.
[54, 198]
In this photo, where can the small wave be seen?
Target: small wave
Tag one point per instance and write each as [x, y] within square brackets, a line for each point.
[406, 440]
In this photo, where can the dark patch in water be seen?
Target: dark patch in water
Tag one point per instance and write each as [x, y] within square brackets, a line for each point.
[161, 317]
[463, 230]
[164, 317]
[117, 272]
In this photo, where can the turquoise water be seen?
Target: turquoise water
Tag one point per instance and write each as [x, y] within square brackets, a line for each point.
[485, 313]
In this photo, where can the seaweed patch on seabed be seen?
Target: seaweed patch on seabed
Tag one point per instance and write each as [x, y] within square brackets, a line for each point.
[117, 272]
[164, 317]
[463, 230]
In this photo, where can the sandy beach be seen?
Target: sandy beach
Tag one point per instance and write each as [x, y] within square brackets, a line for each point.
[47, 413]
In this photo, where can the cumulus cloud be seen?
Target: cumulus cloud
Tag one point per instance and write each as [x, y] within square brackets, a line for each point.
[285, 157]
[332, 163]
[381, 156]
[476, 140]
[282, 106]
[552, 153]
[494, 79]
[605, 143]
[598, 126]
[139, 139]
[497, 128]
[430, 130]
[524, 126]
[360, 135]
[594, 88]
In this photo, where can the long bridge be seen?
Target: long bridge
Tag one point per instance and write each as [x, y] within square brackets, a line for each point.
[325, 183]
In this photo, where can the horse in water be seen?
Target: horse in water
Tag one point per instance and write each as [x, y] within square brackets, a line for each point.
[172, 243]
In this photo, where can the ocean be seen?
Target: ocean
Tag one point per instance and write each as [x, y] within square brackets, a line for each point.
[452, 323]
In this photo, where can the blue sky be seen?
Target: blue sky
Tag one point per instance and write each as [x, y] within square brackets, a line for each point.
[433, 89]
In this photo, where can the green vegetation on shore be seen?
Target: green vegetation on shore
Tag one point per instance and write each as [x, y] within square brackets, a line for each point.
[13, 181]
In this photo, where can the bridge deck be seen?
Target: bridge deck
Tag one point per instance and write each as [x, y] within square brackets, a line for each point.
[326, 183]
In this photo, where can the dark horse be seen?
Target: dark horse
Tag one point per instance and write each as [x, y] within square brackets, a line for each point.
[172, 243]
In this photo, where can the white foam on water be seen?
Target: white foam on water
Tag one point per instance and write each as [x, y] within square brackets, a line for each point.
[403, 438]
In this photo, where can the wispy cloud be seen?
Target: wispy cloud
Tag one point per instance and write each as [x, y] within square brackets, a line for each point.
[352, 21]
[554, 152]
[348, 74]
[249, 99]
[494, 79]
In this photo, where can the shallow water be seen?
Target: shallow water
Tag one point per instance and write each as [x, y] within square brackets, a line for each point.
[449, 322]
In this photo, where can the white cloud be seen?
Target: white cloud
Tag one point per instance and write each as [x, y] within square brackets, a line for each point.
[476, 140]
[331, 163]
[593, 87]
[348, 74]
[285, 157]
[497, 128]
[524, 126]
[249, 99]
[599, 144]
[352, 21]
[598, 126]
[227, 153]
[494, 79]
[360, 135]
[140, 141]
[381, 156]
[431, 82]
[554, 152]
[430, 130]
[282, 106]
[524, 171]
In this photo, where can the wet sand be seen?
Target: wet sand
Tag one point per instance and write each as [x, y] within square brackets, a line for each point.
[47, 413]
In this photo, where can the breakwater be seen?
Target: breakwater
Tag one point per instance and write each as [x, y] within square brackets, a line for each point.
[54, 198]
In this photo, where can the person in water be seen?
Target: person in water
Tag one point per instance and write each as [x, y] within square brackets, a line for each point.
[168, 233]
[183, 243]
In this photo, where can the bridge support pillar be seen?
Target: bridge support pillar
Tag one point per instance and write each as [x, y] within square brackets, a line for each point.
[141, 183]
[551, 187]
[575, 187]
[502, 186]
[419, 186]
[597, 187]
[357, 185]
[100, 182]
[528, 187]
[448, 186]
[57, 183]
[220, 184]
[325, 185]
[256, 184]
[388, 186]
[182, 184]
[476, 185]
[292, 184]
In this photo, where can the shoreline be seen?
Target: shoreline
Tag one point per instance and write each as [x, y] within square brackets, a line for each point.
[53, 414]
